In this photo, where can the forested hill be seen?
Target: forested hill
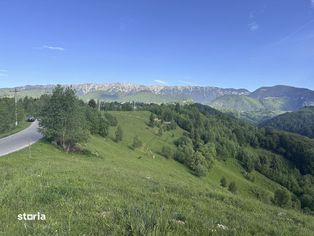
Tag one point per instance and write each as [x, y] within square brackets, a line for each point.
[295, 98]
[301, 122]
[285, 158]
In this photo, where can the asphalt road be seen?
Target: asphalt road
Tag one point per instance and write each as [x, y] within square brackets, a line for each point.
[20, 140]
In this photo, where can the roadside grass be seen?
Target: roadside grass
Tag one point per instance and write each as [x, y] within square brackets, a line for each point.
[120, 191]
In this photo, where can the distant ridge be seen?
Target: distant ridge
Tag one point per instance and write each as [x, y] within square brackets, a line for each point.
[257, 106]
[174, 93]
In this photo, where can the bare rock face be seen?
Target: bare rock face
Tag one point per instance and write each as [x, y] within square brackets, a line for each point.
[195, 93]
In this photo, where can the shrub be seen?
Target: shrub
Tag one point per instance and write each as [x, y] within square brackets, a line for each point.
[119, 134]
[167, 152]
[223, 182]
[282, 198]
[232, 187]
[136, 142]
[200, 170]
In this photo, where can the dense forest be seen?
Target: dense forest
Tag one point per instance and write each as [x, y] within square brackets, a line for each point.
[301, 122]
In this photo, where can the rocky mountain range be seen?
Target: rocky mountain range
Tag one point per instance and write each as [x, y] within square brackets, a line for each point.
[256, 106]
[114, 91]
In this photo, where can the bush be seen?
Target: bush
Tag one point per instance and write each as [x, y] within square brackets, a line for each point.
[200, 170]
[223, 182]
[119, 134]
[232, 187]
[167, 152]
[261, 194]
[137, 142]
[282, 198]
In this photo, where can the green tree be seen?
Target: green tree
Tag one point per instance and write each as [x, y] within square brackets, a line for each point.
[93, 120]
[152, 118]
[282, 198]
[223, 182]
[119, 134]
[92, 103]
[232, 187]
[7, 114]
[103, 127]
[63, 119]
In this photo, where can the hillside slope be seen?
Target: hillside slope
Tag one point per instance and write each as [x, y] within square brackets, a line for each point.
[117, 190]
[301, 122]
[295, 97]
[248, 108]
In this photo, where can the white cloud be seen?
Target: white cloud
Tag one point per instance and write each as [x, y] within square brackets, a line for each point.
[3, 73]
[187, 83]
[253, 26]
[312, 4]
[160, 81]
[53, 48]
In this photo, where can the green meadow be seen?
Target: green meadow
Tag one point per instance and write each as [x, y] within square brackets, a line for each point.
[116, 190]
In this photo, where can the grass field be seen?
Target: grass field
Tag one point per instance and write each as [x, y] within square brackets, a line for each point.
[120, 191]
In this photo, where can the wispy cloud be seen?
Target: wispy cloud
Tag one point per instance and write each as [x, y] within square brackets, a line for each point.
[298, 30]
[3, 73]
[53, 48]
[187, 83]
[312, 4]
[253, 26]
[160, 81]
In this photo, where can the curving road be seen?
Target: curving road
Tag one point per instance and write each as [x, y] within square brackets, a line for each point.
[20, 140]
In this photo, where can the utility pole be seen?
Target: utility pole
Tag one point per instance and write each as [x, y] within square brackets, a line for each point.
[15, 104]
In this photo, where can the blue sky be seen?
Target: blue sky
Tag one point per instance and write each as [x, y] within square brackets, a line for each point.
[224, 43]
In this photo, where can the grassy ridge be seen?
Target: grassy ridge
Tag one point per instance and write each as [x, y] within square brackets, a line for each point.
[118, 191]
